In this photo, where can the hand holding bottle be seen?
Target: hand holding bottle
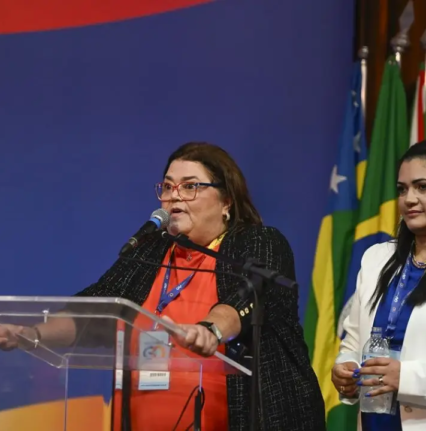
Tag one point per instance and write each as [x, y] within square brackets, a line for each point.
[384, 374]
[343, 380]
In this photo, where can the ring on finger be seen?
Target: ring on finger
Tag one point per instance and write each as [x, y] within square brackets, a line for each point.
[342, 389]
[381, 380]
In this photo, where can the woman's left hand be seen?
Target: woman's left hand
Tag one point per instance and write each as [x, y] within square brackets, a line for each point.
[389, 369]
[198, 339]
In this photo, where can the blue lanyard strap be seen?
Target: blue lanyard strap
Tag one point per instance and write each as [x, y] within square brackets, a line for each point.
[400, 297]
[167, 297]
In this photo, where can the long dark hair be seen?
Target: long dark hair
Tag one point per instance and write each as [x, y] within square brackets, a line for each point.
[223, 170]
[404, 242]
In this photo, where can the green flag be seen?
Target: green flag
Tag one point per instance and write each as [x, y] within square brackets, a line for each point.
[379, 213]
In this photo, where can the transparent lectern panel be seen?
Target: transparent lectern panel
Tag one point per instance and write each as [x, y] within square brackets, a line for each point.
[35, 396]
[92, 347]
[32, 394]
[105, 333]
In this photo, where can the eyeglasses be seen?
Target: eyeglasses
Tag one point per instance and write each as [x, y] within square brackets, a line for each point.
[187, 191]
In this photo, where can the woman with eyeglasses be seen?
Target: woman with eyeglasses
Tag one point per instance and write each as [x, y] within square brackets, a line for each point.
[207, 198]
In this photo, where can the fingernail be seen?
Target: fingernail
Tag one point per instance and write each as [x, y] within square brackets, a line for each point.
[356, 371]
[362, 364]
[359, 383]
[355, 375]
[368, 395]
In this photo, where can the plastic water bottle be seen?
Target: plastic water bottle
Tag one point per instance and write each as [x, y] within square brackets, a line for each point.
[375, 347]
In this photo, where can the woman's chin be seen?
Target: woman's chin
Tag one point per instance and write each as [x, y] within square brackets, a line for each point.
[417, 227]
[176, 228]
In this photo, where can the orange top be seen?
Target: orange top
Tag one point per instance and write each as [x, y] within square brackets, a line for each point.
[159, 410]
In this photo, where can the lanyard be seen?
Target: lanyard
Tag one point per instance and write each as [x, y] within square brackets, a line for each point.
[399, 299]
[167, 297]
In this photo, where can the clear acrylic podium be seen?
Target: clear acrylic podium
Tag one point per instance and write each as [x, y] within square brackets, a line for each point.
[54, 385]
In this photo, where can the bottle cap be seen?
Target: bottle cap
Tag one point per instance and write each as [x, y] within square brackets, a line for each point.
[376, 331]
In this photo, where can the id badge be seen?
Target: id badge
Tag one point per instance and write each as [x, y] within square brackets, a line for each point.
[119, 360]
[154, 354]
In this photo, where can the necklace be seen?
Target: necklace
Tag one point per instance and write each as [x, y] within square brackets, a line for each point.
[421, 265]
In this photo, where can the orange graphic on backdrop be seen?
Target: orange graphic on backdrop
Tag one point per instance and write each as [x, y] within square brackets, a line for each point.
[84, 414]
[17, 16]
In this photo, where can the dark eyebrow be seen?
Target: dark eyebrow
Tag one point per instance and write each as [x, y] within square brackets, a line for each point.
[188, 178]
[416, 181]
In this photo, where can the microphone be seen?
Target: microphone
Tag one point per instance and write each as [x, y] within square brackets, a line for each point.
[160, 219]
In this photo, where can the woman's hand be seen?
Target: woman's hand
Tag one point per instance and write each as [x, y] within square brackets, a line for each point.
[343, 380]
[198, 339]
[387, 371]
[9, 336]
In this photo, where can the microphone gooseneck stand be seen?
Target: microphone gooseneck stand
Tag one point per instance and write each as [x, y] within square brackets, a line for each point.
[260, 277]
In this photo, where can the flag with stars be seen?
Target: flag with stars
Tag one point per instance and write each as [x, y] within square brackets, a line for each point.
[378, 216]
[333, 255]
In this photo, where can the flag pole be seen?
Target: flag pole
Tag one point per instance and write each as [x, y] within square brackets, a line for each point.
[423, 42]
[401, 41]
[399, 44]
[363, 55]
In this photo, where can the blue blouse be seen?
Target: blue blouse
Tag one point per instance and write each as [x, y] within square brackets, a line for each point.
[379, 422]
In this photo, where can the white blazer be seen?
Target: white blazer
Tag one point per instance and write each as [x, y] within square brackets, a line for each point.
[358, 324]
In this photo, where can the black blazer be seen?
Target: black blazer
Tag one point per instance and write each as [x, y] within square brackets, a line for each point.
[291, 395]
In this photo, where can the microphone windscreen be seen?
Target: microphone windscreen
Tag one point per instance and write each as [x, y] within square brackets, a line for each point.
[163, 216]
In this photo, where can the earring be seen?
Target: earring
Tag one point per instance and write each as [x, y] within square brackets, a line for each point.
[227, 216]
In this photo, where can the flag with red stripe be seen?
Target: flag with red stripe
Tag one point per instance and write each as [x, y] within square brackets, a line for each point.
[418, 116]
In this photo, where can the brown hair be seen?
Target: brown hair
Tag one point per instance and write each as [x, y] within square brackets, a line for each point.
[223, 170]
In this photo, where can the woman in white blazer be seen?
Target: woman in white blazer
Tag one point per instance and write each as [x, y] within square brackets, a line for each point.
[391, 294]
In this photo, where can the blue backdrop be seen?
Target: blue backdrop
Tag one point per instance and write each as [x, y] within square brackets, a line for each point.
[89, 115]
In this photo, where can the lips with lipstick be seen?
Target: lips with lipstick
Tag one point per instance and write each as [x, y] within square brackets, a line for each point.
[413, 213]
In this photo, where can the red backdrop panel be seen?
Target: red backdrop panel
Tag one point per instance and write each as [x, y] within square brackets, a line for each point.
[29, 15]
